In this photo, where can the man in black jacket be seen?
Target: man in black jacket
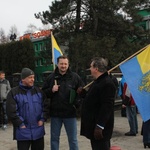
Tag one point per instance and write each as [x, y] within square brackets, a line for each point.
[61, 87]
[97, 118]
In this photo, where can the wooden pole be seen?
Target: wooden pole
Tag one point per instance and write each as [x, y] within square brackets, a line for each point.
[53, 59]
[129, 58]
[120, 64]
[55, 82]
[88, 85]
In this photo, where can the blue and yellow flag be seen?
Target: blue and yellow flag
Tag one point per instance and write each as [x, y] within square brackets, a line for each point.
[136, 72]
[56, 51]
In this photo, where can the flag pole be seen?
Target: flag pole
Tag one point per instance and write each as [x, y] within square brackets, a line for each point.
[129, 58]
[120, 64]
[53, 59]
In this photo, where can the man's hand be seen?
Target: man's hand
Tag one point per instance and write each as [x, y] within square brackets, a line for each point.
[23, 127]
[123, 106]
[98, 133]
[79, 90]
[55, 88]
[40, 123]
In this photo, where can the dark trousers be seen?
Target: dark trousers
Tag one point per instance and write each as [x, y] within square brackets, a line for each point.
[146, 131]
[100, 144]
[3, 115]
[35, 145]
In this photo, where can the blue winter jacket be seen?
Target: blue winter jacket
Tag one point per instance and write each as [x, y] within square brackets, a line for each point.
[26, 106]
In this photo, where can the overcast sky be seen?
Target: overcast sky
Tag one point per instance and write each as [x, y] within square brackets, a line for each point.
[21, 13]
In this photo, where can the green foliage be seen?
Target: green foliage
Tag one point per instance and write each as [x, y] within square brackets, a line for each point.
[17, 55]
[105, 32]
[58, 8]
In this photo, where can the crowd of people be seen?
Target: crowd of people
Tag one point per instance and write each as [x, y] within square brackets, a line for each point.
[28, 107]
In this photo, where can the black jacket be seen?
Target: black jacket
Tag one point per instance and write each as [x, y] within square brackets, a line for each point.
[60, 104]
[98, 107]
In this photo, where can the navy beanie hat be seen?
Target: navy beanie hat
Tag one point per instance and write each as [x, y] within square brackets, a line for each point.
[26, 72]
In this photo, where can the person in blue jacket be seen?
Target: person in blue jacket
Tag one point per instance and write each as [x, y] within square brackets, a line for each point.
[27, 110]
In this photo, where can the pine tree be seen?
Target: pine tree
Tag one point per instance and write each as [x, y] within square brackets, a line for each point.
[96, 28]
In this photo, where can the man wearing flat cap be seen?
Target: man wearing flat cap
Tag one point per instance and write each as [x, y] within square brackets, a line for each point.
[26, 108]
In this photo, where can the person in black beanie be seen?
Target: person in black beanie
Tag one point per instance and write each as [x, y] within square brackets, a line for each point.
[27, 109]
[26, 72]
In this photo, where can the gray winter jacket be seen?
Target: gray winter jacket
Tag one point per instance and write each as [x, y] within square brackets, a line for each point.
[4, 89]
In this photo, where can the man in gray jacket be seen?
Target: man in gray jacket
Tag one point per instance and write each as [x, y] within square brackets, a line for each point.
[4, 89]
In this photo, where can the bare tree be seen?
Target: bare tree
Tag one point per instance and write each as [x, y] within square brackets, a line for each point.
[3, 38]
[46, 27]
[13, 29]
[31, 28]
[13, 32]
